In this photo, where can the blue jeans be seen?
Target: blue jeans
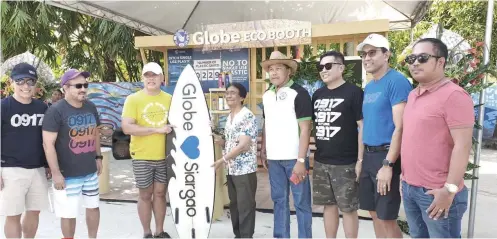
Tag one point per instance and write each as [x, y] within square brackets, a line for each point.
[280, 172]
[416, 202]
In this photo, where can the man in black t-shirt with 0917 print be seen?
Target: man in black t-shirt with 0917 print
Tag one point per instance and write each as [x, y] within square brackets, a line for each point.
[23, 170]
[337, 120]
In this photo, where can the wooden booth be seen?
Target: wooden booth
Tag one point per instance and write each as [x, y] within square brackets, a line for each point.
[343, 37]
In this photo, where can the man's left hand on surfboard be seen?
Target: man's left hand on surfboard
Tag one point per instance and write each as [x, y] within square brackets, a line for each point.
[165, 129]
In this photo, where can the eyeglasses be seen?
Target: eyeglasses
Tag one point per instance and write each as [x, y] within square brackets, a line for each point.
[28, 81]
[79, 86]
[371, 53]
[327, 66]
[422, 58]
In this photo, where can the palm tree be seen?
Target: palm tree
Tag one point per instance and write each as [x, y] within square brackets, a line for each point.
[67, 39]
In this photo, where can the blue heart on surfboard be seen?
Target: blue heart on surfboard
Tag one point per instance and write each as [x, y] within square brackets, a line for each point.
[190, 147]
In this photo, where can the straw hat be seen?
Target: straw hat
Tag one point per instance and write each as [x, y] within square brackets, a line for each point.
[279, 58]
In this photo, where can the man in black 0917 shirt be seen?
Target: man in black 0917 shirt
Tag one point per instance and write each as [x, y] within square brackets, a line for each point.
[338, 125]
[24, 169]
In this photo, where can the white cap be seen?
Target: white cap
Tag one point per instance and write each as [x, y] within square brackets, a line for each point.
[153, 67]
[375, 40]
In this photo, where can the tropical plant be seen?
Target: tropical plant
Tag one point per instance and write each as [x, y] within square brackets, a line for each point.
[66, 39]
[307, 71]
[469, 73]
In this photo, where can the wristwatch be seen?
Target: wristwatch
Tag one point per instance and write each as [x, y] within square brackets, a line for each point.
[386, 162]
[302, 160]
[99, 157]
[452, 188]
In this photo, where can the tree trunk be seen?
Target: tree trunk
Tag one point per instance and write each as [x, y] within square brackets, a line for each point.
[110, 71]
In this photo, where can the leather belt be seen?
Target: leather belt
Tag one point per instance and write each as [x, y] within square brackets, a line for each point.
[380, 148]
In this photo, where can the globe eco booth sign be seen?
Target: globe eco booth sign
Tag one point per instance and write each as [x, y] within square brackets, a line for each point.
[201, 38]
[253, 34]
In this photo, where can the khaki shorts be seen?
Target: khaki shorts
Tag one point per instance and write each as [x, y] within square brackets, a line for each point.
[23, 190]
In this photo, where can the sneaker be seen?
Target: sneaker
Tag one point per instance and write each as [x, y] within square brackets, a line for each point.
[162, 235]
[148, 236]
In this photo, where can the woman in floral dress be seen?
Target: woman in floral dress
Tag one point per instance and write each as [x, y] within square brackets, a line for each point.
[240, 160]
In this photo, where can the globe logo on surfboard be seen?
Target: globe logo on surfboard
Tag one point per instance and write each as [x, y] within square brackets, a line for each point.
[190, 150]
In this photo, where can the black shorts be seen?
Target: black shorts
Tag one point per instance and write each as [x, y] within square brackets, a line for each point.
[386, 207]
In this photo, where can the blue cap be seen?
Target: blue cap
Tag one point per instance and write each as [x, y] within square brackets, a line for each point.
[23, 70]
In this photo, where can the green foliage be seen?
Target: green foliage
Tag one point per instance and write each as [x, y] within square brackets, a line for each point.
[467, 18]
[348, 75]
[469, 72]
[26, 26]
[399, 40]
[308, 71]
[66, 39]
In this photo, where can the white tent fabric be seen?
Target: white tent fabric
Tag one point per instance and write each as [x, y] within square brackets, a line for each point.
[166, 17]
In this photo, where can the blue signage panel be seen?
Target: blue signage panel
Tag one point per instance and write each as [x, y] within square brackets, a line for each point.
[214, 69]
[177, 59]
[490, 117]
[236, 63]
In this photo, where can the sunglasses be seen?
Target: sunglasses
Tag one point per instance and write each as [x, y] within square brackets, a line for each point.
[28, 81]
[79, 86]
[327, 66]
[371, 53]
[422, 58]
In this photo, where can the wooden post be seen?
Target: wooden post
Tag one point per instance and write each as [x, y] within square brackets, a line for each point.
[144, 57]
[221, 192]
[166, 72]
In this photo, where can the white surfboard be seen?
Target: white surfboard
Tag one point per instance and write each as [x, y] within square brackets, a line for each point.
[191, 153]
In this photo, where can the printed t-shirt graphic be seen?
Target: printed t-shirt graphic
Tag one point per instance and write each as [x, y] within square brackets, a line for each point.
[148, 111]
[379, 98]
[81, 132]
[76, 139]
[336, 113]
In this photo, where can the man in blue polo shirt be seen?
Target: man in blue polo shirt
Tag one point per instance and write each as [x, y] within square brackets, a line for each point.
[384, 100]
[24, 169]
[286, 134]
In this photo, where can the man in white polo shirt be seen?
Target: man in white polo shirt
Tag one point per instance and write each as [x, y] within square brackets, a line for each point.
[286, 133]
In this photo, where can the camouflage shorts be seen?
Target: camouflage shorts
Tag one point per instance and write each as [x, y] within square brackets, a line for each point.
[335, 185]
